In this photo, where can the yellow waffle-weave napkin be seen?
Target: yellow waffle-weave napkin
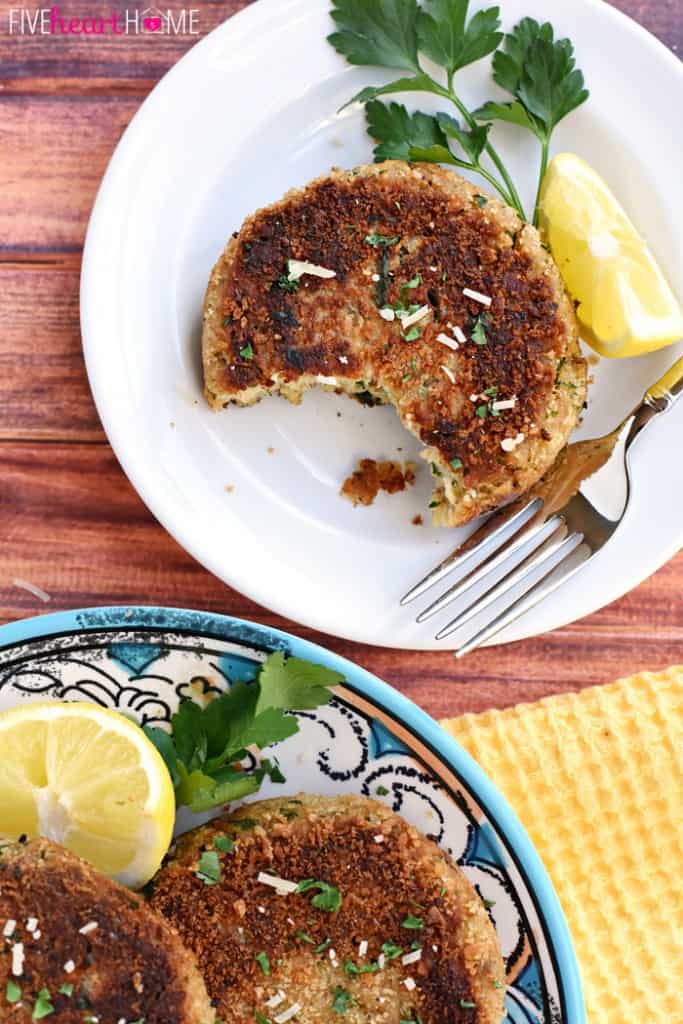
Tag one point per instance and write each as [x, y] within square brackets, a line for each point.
[597, 780]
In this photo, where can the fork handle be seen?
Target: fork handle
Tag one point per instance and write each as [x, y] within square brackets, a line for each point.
[662, 395]
[656, 400]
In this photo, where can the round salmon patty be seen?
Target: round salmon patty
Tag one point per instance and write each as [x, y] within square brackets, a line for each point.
[436, 299]
[73, 940]
[305, 908]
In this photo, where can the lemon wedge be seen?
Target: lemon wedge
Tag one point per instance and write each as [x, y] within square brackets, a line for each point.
[89, 779]
[626, 307]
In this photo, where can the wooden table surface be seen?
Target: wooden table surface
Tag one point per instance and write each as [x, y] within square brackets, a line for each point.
[69, 520]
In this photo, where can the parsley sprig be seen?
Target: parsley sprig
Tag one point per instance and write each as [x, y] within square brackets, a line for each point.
[540, 72]
[205, 749]
[537, 70]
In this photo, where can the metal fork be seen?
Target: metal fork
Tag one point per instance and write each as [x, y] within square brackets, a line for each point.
[527, 550]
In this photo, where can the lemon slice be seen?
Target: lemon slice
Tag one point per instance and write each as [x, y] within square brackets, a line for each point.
[626, 306]
[88, 779]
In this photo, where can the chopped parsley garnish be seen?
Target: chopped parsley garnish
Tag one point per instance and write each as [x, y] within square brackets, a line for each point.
[66, 989]
[287, 285]
[482, 411]
[329, 898]
[414, 282]
[209, 868]
[479, 331]
[260, 1019]
[381, 240]
[304, 937]
[353, 969]
[456, 464]
[12, 992]
[391, 950]
[413, 1020]
[382, 791]
[204, 750]
[342, 999]
[491, 392]
[323, 946]
[480, 200]
[244, 824]
[263, 962]
[224, 843]
[488, 904]
[247, 352]
[412, 922]
[43, 1005]
[413, 334]
[466, 1004]
[497, 984]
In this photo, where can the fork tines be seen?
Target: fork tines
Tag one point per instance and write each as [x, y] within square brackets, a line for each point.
[505, 567]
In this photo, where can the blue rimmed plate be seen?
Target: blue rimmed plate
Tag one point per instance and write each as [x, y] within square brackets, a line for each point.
[142, 661]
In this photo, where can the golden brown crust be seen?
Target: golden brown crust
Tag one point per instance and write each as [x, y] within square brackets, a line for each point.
[330, 332]
[334, 840]
[371, 477]
[131, 967]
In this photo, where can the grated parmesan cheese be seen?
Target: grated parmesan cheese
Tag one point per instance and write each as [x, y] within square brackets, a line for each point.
[485, 300]
[449, 342]
[459, 334]
[87, 928]
[297, 269]
[409, 983]
[282, 885]
[412, 958]
[10, 925]
[387, 314]
[508, 403]
[275, 1000]
[449, 373]
[69, 967]
[287, 1014]
[38, 592]
[362, 947]
[511, 443]
[18, 959]
[414, 318]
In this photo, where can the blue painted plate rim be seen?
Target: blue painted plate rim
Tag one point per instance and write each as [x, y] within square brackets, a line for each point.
[380, 693]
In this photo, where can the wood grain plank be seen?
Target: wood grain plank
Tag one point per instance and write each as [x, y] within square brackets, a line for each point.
[53, 155]
[56, 146]
[71, 523]
[132, 55]
[661, 17]
[44, 391]
[134, 61]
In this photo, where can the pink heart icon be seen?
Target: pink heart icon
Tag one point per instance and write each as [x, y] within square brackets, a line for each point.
[152, 24]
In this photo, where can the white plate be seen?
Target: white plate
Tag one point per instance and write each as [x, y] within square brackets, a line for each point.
[249, 112]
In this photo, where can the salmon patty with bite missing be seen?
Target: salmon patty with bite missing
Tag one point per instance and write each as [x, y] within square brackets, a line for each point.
[404, 284]
[309, 907]
[75, 947]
